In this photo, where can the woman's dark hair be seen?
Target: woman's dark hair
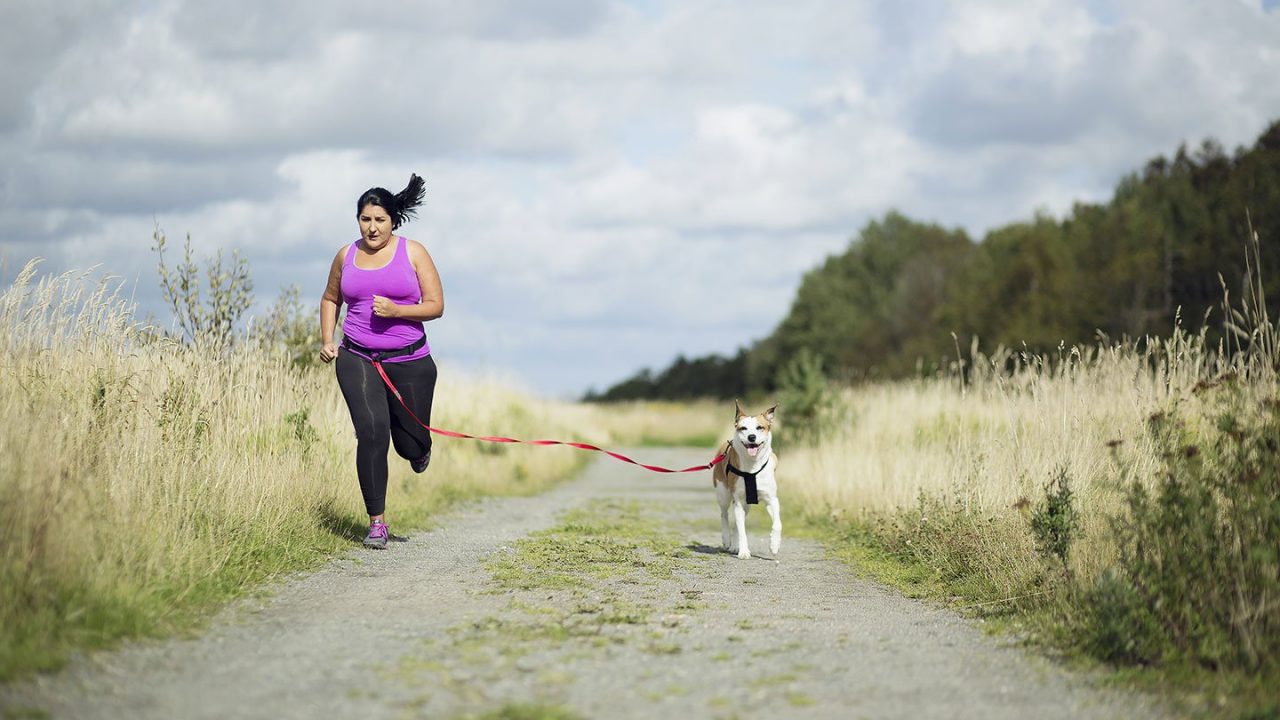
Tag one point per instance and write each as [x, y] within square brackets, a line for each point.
[401, 206]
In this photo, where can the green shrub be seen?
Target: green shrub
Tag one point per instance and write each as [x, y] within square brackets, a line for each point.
[299, 423]
[1054, 522]
[1121, 627]
[213, 320]
[1198, 575]
[291, 327]
[806, 397]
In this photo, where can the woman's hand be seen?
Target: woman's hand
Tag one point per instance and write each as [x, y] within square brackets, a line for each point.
[328, 352]
[383, 307]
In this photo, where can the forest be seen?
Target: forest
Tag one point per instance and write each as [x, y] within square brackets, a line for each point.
[906, 295]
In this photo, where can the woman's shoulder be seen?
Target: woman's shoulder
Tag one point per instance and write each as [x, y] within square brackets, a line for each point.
[340, 258]
[414, 248]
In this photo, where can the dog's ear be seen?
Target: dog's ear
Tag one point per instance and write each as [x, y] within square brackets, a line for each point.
[737, 411]
[768, 414]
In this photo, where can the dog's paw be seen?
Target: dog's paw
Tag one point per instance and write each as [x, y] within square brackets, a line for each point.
[744, 554]
[775, 546]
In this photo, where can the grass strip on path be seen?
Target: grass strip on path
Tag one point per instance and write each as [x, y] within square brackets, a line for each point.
[574, 590]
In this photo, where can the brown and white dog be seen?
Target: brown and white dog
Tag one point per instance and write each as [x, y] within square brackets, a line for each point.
[747, 476]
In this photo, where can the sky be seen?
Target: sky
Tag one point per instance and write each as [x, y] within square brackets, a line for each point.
[609, 183]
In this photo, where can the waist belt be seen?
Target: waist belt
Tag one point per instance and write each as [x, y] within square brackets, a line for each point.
[380, 355]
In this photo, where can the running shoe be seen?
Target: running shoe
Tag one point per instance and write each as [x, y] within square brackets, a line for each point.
[377, 537]
[421, 463]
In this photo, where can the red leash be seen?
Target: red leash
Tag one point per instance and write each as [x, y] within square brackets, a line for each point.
[581, 446]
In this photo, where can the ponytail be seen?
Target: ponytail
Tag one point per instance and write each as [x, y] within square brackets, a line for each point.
[408, 199]
[402, 206]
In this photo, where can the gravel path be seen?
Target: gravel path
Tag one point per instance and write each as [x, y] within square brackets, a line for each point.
[513, 609]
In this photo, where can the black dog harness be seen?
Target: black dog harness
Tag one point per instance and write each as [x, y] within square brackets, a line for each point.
[749, 479]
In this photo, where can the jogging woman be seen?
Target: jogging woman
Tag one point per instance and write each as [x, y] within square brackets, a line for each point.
[390, 287]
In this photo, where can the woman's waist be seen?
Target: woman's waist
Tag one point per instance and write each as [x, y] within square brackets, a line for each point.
[412, 348]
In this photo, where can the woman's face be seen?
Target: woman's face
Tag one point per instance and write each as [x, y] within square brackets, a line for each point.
[375, 226]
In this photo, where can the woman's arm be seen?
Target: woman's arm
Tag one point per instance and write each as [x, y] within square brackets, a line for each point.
[329, 304]
[432, 304]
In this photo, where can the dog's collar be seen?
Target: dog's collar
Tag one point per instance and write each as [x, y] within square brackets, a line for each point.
[746, 475]
[750, 480]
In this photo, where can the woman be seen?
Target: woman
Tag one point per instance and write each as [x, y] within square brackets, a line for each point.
[391, 287]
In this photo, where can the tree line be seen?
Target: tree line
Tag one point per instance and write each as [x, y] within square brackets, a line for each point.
[904, 294]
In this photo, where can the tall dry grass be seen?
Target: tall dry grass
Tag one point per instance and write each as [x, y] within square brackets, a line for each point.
[958, 476]
[664, 423]
[144, 481]
[990, 446]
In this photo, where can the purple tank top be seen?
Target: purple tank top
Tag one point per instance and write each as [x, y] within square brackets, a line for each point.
[395, 281]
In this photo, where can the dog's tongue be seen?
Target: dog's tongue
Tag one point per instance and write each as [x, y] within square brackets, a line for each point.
[752, 450]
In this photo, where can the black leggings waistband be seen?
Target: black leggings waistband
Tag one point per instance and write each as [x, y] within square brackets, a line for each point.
[380, 355]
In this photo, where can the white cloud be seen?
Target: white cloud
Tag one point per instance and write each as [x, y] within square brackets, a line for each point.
[599, 173]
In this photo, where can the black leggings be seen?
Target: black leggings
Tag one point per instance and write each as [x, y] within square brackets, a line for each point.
[380, 420]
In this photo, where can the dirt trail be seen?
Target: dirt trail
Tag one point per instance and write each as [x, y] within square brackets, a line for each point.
[622, 609]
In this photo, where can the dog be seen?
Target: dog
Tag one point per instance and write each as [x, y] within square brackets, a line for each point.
[747, 475]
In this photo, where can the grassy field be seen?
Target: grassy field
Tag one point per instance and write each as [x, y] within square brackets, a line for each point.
[1120, 502]
[144, 482]
[663, 423]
